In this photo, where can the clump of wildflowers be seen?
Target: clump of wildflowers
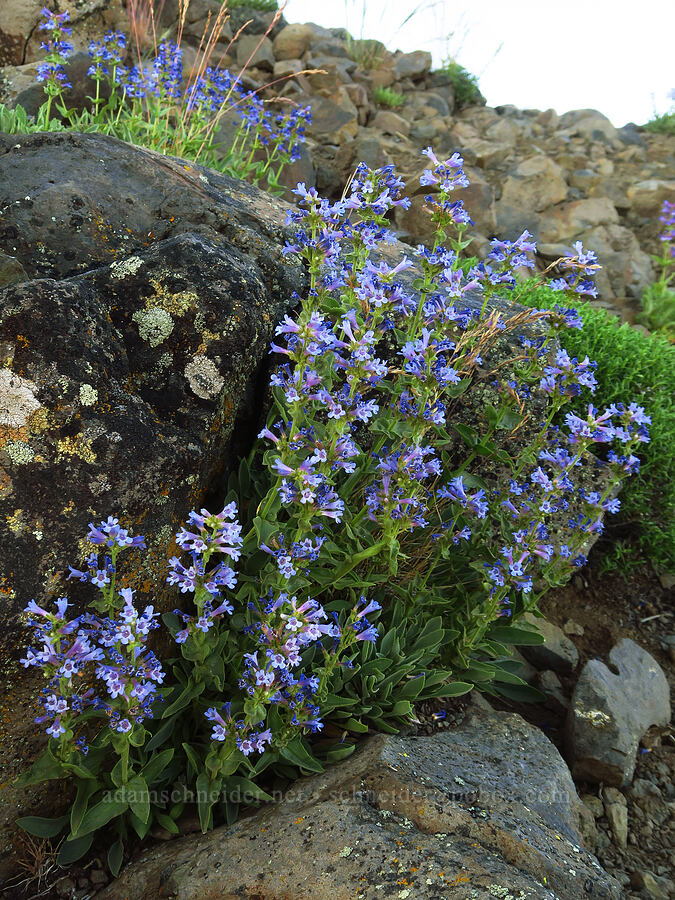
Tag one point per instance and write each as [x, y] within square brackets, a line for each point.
[113, 642]
[382, 561]
[152, 103]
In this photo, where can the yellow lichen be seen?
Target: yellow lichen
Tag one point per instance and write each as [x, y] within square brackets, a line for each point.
[177, 303]
[74, 446]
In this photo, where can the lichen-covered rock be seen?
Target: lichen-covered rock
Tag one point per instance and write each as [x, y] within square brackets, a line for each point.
[125, 360]
[487, 810]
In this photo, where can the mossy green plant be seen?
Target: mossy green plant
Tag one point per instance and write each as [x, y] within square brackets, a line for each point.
[465, 85]
[664, 124]
[385, 96]
[631, 363]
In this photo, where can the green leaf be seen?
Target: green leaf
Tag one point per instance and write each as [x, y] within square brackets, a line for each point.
[511, 634]
[189, 692]
[401, 708]
[520, 692]
[353, 724]
[45, 768]
[162, 735]
[116, 857]
[74, 849]
[296, 753]
[80, 771]
[384, 726]
[84, 791]
[193, 759]
[456, 689]
[99, 815]
[339, 752]
[167, 823]
[244, 790]
[41, 827]
[154, 768]
[264, 530]
[208, 792]
[468, 435]
[138, 797]
[140, 827]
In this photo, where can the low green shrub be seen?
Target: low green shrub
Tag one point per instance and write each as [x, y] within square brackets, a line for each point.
[641, 366]
[385, 96]
[465, 85]
[664, 124]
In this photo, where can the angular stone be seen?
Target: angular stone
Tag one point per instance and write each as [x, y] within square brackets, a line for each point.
[364, 148]
[610, 712]
[486, 153]
[413, 65]
[646, 197]
[626, 268]
[255, 50]
[286, 67]
[567, 221]
[334, 121]
[537, 182]
[383, 76]
[390, 123]
[616, 811]
[590, 124]
[293, 41]
[557, 652]
[490, 807]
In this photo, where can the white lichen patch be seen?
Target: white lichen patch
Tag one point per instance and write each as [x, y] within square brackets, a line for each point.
[88, 395]
[154, 325]
[204, 378]
[17, 399]
[19, 452]
[124, 267]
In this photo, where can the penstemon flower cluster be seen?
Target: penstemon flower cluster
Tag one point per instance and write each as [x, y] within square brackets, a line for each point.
[381, 559]
[115, 643]
[157, 106]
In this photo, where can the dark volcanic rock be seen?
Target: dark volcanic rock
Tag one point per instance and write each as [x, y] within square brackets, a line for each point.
[486, 810]
[128, 350]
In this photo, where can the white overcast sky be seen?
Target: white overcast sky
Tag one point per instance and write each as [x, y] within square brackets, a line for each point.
[613, 55]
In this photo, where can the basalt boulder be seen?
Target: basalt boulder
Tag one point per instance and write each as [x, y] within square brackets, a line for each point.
[135, 321]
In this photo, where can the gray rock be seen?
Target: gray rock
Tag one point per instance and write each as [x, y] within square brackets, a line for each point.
[610, 712]
[489, 808]
[590, 124]
[616, 811]
[330, 119]
[656, 888]
[293, 41]
[626, 268]
[646, 197]
[413, 65]
[567, 221]
[550, 684]
[557, 652]
[257, 49]
[390, 123]
[537, 182]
